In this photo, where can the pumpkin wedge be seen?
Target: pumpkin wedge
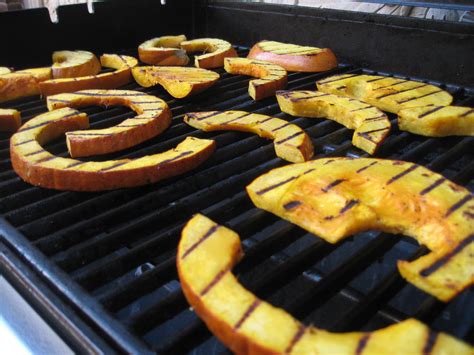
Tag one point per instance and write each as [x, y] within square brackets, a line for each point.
[153, 118]
[387, 93]
[215, 51]
[271, 77]
[437, 121]
[293, 57]
[163, 51]
[370, 124]
[71, 64]
[22, 83]
[291, 142]
[338, 197]
[112, 80]
[10, 120]
[248, 325]
[178, 81]
[38, 167]
[4, 70]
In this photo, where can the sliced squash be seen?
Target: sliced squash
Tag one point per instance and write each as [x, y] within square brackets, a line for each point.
[248, 325]
[215, 51]
[271, 77]
[163, 51]
[338, 197]
[22, 83]
[38, 167]
[291, 142]
[294, 57]
[371, 125]
[4, 70]
[71, 64]
[179, 82]
[387, 93]
[10, 120]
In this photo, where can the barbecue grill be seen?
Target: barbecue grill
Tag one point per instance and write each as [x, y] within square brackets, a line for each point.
[100, 267]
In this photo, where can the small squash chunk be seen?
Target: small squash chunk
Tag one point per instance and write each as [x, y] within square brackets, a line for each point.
[371, 125]
[338, 197]
[437, 121]
[271, 77]
[294, 57]
[153, 118]
[387, 93]
[22, 83]
[71, 64]
[179, 82]
[248, 325]
[4, 70]
[39, 167]
[10, 120]
[112, 80]
[215, 51]
[163, 50]
[291, 142]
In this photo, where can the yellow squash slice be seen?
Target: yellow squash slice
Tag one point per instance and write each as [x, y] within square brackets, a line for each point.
[153, 118]
[4, 70]
[163, 51]
[112, 80]
[215, 51]
[22, 83]
[178, 81]
[71, 64]
[338, 197]
[437, 121]
[271, 77]
[10, 120]
[291, 142]
[293, 57]
[370, 124]
[248, 325]
[38, 167]
[386, 93]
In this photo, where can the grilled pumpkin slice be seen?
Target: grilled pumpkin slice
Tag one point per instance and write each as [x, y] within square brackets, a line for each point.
[163, 50]
[153, 118]
[335, 198]
[10, 120]
[38, 167]
[437, 121]
[22, 83]
[293, 57]
[386, 93]
[112, 80]
[71, 64]
[4, 70]
[291, 142]
[215, 51]
[179, 82]
[247, 325]
[370, 124]
[271, 77]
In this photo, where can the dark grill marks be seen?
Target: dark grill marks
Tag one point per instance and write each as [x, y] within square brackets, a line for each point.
[402, 174]
[376, 79]
[366, 167]
[418, 97]
[290, 205]
[145, 102]
[431, 111]
[247, 314]
[401, 91]
[298, 335]
[366, 134]
[235, 119]
[391, 85]
[75, 164]
[265, 120]
[110, 95]
[445, 259]
[206, 235]
[334, 80]
[114, 166]
[467, 113]
[378, 118]
[361, 109]
[432, 186]
[183, 154]
[43, 160]
[430, 342]
[24, 142]
[274, 186]
[362, 344]
[296, 99]
[282, 126]
[214, 282]
[47, 122]
[192, 115]
[458, 205]
[290, 137]
[348, 206]
[332, 184]
[34, 153]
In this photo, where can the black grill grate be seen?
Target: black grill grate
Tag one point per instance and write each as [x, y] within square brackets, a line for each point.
[119, 246]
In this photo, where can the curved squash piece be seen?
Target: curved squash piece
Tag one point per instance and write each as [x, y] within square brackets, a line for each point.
[163, 51]
[271, 77]
[22, 83]
[71, 64]
[120, 77]
[38, 167]
[153, 118]
[179, 82]
[291, 142]
[338, 197]
[247, 325]
[293, 57]
[216, 50]
[371, 125]
[437, 121]
[10, 120]
[386, 93]
[4, 70]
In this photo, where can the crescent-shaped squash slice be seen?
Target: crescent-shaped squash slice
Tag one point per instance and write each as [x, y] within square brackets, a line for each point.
[38, 167]
[153, 118]
[437, 121]
[271, 77]
[163, 51]
[386, 93]
[291, 142]
[22, 83]
[178, 81]
[338, 197]
[215, 51]
[293, 57]
[370, 124]
[4, 70]
[112, 80]
[10, 120]
[247, 325]
[71, 64]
